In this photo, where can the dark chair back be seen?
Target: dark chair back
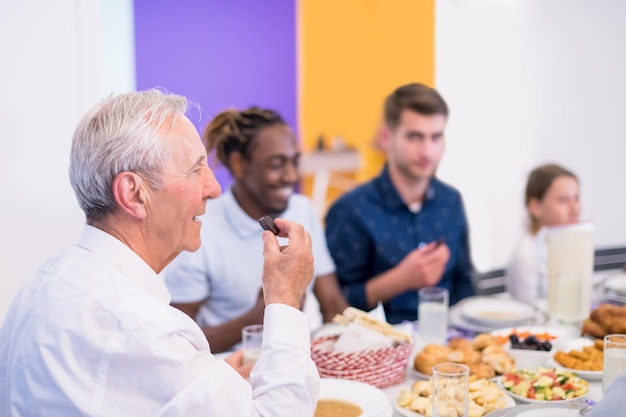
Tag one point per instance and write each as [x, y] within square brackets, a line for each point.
[490, 282]
[609, 258]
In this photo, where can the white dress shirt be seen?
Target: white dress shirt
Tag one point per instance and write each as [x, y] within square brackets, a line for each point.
[92, 334]
[226, 270]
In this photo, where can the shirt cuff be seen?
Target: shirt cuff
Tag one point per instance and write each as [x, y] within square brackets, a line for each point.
[285, 325]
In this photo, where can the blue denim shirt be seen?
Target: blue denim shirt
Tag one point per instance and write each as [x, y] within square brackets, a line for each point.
[370, 230]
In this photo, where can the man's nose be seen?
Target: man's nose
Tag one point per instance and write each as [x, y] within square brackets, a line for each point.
[213, 189]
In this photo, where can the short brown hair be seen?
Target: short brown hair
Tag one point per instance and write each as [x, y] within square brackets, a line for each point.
[416, 97]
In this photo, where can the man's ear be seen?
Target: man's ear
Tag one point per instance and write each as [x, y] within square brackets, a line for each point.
[237, 165]
[384, 137]
[129, 191]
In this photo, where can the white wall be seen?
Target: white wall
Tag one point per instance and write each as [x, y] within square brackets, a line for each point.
[527, 80]
[53, 54]
[532, 81]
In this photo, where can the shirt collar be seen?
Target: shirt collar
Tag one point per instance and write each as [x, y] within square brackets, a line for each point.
[131, 264]
[240, 222]
[390, 195]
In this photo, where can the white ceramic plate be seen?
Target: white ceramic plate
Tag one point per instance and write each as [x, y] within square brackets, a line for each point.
[372, 400]
[543, 410]
[614, 297]
[488, 311]
[531, 401]
[577, 344]
[534, 358]
[410, 413]
[458, 321]
[616, 283]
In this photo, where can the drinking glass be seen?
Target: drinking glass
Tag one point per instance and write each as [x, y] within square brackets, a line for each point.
[614, 359]
[433, 314]
[251, 340]
[450, 390]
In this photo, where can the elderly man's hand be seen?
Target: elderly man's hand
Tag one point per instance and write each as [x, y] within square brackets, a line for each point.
[288, 270]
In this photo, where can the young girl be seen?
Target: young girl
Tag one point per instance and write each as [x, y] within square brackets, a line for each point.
[551, 198]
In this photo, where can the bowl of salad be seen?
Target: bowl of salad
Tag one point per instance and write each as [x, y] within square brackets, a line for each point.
[544, 384]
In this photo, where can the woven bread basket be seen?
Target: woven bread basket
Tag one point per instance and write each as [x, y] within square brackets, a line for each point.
[377, 367]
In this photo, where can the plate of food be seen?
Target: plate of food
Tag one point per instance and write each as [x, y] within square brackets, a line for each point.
[482, 354]
[537, 334]
[353, 398]
[500, 312]
[583, 356]
[542, 385]
[484, 397]
[532, 346]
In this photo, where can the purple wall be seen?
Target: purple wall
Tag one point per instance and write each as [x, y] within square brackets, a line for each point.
[220, 54]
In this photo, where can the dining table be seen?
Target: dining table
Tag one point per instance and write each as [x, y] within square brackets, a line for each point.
[460, 328]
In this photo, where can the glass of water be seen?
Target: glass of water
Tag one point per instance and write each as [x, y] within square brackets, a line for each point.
[252, 341]
[614, 359]
[433, 314]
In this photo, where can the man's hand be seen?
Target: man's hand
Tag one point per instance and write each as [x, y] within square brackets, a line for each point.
[288, 270]
[424, 267]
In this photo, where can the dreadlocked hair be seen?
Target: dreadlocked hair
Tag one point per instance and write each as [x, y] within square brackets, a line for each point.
[233, 130]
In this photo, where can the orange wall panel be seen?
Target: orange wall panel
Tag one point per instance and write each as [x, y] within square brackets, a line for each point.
[351, 54]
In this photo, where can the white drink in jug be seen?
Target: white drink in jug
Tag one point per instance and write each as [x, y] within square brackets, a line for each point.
[570, 267]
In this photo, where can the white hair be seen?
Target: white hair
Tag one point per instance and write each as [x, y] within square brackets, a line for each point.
[119, 134]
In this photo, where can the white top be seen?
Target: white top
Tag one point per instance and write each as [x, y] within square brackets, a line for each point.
[92, 334]
[527, 277]
[226, 270]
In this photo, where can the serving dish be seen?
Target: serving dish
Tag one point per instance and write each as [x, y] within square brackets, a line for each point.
[616, 284]
[558, 334]
[510, 402]
[614, 289]
[458, 320]
[531, 401]
[525, 358]
[490, 311]
[574, 344]
[540, 410]
[372, 400]
[475, 395]
[546, 382]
